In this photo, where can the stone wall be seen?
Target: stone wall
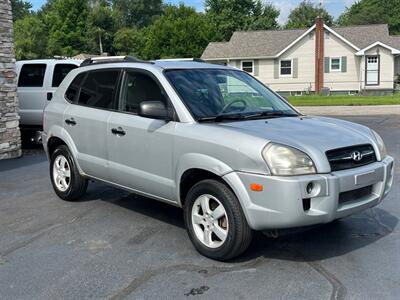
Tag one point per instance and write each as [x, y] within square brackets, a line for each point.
[10, 141]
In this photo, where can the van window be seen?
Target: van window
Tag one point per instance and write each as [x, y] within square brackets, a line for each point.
[60, 71]
[32, 75]
[139, 87]
[73, 89]
[99, 89]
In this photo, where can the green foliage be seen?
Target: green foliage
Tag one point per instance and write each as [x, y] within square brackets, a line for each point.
[30, 38]
[137, 13]
[231, 15]
[67, 23]
[128, 41]
[180, 32]
[20, 9]
[373, 12]
[101, 27]
[303, 16]
[145, 28]
[263, 17]
[313, 100]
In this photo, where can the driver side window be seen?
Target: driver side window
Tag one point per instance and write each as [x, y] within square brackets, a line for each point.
[139, 87]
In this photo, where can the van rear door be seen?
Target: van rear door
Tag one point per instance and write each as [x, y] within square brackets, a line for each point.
[31, 93]
[59, 71]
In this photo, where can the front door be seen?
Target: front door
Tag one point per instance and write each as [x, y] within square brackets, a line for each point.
[141, 149]
[372, 70]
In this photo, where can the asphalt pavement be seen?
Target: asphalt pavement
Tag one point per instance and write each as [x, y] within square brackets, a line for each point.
[116, 245]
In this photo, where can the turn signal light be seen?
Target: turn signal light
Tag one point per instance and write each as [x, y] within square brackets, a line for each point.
[256, 187]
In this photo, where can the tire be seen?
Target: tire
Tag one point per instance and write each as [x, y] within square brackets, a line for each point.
[230, 234]
[62, 164]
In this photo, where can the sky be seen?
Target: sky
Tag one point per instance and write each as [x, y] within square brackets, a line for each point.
[334, 7]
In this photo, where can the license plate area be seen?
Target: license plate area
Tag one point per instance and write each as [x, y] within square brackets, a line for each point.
[365, 178]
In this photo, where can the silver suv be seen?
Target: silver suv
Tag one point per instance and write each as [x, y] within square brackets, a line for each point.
[212, 140]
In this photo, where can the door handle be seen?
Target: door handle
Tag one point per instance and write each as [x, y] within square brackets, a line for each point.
[49, 96]
[118, 131]
[70, 122]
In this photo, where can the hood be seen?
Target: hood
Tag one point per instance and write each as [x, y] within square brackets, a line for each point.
[312, 135]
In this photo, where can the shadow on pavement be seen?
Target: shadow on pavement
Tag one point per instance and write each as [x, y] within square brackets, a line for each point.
[28, 158]
[314, 244]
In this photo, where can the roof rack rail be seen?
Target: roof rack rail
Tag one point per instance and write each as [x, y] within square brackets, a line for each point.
[182, 59]
[111, 59]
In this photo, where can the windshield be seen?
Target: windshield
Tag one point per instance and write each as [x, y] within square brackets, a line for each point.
[226, 94]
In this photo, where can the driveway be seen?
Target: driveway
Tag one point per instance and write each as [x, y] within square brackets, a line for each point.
[117, 245]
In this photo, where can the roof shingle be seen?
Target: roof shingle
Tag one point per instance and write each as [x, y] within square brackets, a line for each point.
[268, 43]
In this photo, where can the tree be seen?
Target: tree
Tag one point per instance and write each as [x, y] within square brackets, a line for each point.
[101, 27]
[137, 13]
[373, 12]
[20, 9]
[180, 32]
[66, 21]
[128, 41]
[304, 15]
[30, 38]
[264, 17]
[230, 15]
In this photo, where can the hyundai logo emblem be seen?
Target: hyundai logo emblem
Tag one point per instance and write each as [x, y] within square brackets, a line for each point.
[356, 156]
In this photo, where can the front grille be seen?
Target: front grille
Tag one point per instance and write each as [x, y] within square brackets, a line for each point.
[350, 157]
[355, 194]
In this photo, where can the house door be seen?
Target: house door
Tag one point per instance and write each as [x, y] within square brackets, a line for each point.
[372, 70]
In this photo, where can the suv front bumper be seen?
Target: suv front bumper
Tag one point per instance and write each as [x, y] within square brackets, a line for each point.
[285, 202]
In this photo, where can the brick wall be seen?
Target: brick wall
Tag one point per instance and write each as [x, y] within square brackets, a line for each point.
[10, 142]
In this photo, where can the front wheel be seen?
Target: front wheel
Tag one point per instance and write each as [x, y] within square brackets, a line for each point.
[67, 182]
[215, 221]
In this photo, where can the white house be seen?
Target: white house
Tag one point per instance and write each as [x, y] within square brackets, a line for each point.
[342, 59]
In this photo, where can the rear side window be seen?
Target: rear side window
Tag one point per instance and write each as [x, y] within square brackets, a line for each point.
[99, 89]
[72, 92]
[32, 75]
[60, 71]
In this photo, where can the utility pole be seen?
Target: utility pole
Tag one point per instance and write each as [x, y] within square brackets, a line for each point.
[100, 44]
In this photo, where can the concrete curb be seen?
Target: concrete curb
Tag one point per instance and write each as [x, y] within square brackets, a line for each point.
[350, 110]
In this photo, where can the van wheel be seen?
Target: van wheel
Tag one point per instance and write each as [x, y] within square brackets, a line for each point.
[215, 221]
[68, 184]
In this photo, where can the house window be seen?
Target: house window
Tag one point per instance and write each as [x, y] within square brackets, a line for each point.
[335, 64]
[286, 67]
[247, 66]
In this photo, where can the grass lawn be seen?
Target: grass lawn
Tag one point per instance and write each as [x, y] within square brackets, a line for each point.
[344, 100]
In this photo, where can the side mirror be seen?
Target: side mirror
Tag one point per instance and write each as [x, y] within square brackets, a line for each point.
[154, 110]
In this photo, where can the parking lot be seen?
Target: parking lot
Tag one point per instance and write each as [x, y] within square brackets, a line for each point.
[117, 245]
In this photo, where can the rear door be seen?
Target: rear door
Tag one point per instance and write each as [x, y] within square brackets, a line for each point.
[85, 119]
[31, 93]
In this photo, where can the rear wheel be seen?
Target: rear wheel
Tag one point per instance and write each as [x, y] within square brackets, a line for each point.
[68, 184]
[215, 221]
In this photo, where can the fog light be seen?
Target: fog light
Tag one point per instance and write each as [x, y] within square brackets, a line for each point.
[310, 187]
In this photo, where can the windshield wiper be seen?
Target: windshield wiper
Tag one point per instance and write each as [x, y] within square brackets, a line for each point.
[264, 114]
[271, 114]
[222, 117]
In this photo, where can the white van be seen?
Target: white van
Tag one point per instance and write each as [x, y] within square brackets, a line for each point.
[37, 82]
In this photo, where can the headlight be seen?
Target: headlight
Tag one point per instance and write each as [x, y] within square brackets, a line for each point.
[285, 161]
[381, 144]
